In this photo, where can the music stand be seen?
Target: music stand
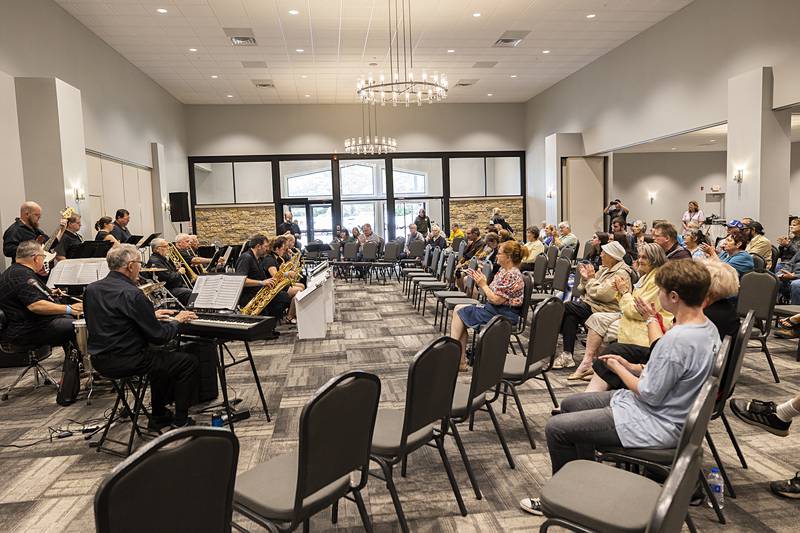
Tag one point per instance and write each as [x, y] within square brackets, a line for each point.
[133, 239]
[144, 243]
[89, 249]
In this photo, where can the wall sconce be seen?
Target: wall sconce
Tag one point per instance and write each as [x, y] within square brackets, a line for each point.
[651, 196]
[739, 175]
[80, 194]
[551, 194]
[165, 206]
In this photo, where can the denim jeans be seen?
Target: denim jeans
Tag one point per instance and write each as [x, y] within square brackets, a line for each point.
[585, 421]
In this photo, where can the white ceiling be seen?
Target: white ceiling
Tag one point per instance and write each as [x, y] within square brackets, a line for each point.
[341, 37]
[713, 139]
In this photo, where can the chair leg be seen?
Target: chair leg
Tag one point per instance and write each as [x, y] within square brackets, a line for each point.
[387, 473]
[769, 359]
[505, 396]
[710, 496]
[733, 440]
[403, 466]
[522, 414]
[465, 460]
[335, 512]
[440, 445]
[306, 527]
[472, 420]
[112, 417]
[513, 350]
[690, 524]
[521, 347]
[550, 389]
[500, 436]
[16, 381]
[721, 467]
[362, 511]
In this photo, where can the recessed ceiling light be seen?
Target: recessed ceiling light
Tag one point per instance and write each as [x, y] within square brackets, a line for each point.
[476, 14]
[513, 75]
[490, 94]
[161, 10]
[308, 96]
[294, 12]
[193, 49]
[304, 76]
[229, 95]
[451, 51]
[545, 51]
[591, 16]
[713, 140]
[299, 50]
[214, 76]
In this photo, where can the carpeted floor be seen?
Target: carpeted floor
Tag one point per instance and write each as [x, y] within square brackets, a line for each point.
[51, 486]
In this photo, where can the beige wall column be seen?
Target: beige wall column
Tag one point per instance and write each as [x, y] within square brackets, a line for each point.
[759, 145]
[10, 157]
[556, 146]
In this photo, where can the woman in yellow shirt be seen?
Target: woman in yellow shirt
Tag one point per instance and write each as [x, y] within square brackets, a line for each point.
[535, 247]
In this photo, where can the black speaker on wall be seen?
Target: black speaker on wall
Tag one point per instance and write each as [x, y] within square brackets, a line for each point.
[179, 207]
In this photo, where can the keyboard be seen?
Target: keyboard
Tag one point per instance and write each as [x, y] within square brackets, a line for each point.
[231, 327]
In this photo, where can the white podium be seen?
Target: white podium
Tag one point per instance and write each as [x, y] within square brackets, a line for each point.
[315, 306]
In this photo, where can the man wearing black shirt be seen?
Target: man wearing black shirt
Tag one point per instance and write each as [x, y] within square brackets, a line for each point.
[32, 317]
[289, 226]
[614, 210]
[120, 229]
[122, 327]
[250, 264]
[24, 228]
[70, 238]
[172, 277]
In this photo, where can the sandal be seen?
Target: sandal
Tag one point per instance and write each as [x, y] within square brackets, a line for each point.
[580, 374]
[787, 323]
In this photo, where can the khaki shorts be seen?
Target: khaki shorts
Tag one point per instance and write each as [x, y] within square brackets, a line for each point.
[605, 324]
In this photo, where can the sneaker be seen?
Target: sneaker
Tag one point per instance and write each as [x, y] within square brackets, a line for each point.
[788, 489]
[563, 361]
[159, 422]
[532, 505]
[761, 414]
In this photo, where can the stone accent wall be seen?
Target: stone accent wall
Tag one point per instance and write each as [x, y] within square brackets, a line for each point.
[232, 224]
[478, 211]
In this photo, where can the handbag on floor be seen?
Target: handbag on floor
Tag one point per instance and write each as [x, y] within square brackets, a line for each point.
[70, 383]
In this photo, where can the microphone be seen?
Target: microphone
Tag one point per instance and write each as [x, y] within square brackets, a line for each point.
[35, 285]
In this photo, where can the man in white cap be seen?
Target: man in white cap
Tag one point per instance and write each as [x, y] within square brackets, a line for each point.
[598, 294]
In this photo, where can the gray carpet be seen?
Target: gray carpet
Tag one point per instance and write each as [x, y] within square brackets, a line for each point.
[50, 486]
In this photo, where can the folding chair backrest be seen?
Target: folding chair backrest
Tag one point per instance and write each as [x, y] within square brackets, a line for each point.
[544, 330]
[190, 468]
[775, 256]
[392, 252]
[733, 365]
[336, 427]
[526, 301]
[460, 245]
[552, 255]
[539, 269]
[576, 251]
[473, 263]
[487, 269]
[759, 264]
[758, 291]
[415, 248]
[588, 248]
[351, 251]
[561, 274]
[370, 251]
[673, 502]
[450, 268]
[469, 285]
[426, 256]
[490, 356]
[431, 382]
[336, 249]
[434, 260]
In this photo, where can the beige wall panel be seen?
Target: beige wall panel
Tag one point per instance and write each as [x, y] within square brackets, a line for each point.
[113, 192]
[146, 201]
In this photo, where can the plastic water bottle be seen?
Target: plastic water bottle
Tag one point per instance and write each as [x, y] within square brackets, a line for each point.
[216, 419]
[717, 487]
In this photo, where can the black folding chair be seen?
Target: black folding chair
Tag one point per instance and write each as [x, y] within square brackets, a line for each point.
[758, 291]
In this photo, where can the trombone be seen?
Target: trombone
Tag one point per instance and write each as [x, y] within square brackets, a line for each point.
[189, 276]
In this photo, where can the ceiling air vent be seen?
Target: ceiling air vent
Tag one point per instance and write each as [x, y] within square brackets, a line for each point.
[469, 82]
[264, 84]
[241, 36]
[254, 64]
[484, 64]
[510, 39]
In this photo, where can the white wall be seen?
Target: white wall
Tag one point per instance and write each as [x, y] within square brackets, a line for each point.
[123, 109]
[294, 129]
[10, 155]
[675, 178]
[794, 188]
[668, 79]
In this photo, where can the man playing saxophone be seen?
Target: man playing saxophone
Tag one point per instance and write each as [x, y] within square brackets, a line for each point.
[249, 265]
[272, 263]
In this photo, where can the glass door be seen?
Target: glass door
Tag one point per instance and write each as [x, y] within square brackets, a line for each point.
[315, 220]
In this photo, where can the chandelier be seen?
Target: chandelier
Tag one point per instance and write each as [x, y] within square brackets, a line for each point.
[401, 87]
[370, 142]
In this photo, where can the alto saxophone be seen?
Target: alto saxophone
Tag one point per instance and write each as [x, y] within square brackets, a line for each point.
[189, 275]
[284, 277]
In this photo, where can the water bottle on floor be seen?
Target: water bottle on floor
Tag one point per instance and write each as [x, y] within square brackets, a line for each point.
[717, 487]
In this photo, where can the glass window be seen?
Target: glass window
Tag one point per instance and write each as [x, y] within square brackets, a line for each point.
[213, 183]
[502, 176]
[364, 178]
[357, 214]
[417, 177]
[467, 177]
[253, 182]
[323, 222]
[306, 179]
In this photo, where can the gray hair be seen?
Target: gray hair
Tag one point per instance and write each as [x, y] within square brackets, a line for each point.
[28, 249]
[654, 253]
[640, 224]
[412, 226]
[182, 236]
[156, 243]
[120, 255]
[564, 224]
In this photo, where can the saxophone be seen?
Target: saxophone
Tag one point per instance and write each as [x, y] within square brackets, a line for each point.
[189, 275]
[286, 275]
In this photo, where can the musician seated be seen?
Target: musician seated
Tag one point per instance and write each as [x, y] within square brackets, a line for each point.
[249, 264]
[174, 278]
[32, 317]
[24, 228]
[183, 242]
[70, 238]
[104, 227]
[194, 246]
[123, 326]
[272, 263]
[292, 249]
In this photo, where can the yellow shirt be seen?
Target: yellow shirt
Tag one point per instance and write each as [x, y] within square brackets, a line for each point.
[632, 328]
[534, 248]
[454, 234]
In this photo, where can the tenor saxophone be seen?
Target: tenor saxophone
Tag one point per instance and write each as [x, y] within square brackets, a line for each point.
[284, 277]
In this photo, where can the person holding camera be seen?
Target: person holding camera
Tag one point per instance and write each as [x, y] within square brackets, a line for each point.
[614, 210]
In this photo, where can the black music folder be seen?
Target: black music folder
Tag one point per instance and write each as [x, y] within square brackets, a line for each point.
[89, 249]
[145, 242]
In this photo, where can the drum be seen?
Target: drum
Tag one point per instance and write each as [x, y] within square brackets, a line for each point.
[82, 336]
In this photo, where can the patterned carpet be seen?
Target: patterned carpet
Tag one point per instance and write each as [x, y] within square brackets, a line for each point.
[50, 486]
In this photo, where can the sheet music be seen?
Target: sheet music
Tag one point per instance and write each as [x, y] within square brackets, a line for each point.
[217, 291]
[77, 272]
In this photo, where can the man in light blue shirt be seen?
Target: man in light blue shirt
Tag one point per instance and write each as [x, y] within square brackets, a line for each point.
[651, 411]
